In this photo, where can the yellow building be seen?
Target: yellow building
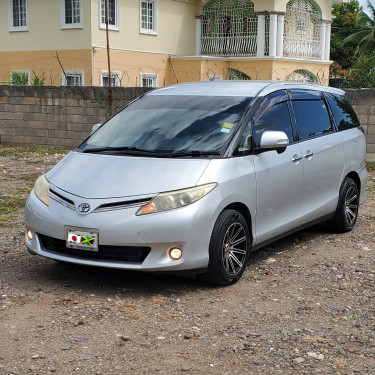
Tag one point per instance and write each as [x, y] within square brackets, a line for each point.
[160, 42]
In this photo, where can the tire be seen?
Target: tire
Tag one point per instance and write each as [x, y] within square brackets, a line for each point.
[347, 207]
[226, 262]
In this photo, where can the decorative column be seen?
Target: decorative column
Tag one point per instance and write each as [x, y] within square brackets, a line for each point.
[261, 34]
[328, 40]
[273, 34]
[280, 35]
[323, 31]
[198, 35]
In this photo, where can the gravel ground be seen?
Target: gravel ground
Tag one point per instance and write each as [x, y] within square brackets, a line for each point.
[305, 305]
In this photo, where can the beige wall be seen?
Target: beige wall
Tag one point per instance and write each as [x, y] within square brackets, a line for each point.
[189, 70]
[45, 31]
[176, 28]
[43, 63]
[131, 65]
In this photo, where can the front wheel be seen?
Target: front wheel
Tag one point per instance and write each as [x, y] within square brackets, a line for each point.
[229, 249]
[347, 207]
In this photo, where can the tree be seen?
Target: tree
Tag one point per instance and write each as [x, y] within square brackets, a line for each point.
[364, 38]
[343, 25]
[363, 72]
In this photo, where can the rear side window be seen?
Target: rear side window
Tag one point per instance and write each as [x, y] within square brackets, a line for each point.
[273, 114]
[343, 112]
[312, 118]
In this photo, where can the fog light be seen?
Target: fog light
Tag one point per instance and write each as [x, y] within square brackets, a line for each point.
[29, 235]
[175, 253]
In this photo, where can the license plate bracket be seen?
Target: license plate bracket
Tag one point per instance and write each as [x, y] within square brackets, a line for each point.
[82, 239]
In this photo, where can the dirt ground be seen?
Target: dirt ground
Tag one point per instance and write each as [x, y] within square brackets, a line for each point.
[305, 305]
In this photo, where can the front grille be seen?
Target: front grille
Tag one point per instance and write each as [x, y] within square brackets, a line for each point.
[129, 254]
[61, 199]
[122, 205]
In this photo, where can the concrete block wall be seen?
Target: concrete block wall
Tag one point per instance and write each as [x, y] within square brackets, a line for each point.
[56, 116]
[363, 102]
[64, 116]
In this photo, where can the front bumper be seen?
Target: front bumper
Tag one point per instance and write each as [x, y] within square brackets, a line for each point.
[188, 228]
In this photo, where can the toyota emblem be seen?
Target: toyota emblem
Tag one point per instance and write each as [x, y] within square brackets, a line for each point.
[84, 208]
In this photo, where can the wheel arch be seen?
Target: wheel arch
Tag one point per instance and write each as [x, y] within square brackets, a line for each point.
[245, 212]
[354, 176]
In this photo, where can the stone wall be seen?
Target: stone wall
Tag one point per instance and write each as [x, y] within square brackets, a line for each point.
[64, 116]
[56, 116]
[363, 102]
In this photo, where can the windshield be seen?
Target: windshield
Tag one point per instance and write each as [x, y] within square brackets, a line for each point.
[170, 124]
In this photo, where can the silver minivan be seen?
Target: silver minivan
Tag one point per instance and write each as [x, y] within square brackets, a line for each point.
[193, 177]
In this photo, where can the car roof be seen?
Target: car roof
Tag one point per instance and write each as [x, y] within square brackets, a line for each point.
[237, 88]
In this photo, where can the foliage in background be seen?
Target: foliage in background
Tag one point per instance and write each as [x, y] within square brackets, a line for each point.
[37, 80]
[17, 78]
[364, 39]
[343, 25]
[363, 73]
[22, 79]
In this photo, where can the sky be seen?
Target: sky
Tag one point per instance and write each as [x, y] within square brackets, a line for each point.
[363, 3]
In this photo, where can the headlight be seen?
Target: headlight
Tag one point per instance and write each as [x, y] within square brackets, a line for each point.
[41, 189]
[176, 199]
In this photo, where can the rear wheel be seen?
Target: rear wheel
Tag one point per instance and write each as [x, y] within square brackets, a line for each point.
[229, 249]
[347, 207]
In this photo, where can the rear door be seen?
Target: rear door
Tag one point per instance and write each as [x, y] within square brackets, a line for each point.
[279, 176]
[322, 152]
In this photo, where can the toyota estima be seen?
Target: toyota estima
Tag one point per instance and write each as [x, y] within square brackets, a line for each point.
[195, 176]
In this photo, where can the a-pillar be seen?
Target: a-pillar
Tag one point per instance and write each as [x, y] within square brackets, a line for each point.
[327, 41]
[198, 35]
[280, 35]
[261, 34]
[273, 34]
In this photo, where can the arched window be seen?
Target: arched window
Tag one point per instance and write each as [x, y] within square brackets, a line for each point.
[235, 75]
[303, 76]
[228, 28]
[302, 29]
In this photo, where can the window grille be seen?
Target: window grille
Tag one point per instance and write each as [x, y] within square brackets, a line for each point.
[112, 13]
[72, 12]
[229, 28]
[73, 79]
[235, 74]
[148, 16]
[115, 79]
[149, 80]
[302, 29]
[17, 15]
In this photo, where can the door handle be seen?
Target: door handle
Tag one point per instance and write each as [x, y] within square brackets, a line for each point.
[309, 154]
[296, 158]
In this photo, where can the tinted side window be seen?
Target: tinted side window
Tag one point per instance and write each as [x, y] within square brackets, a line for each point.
[312, 118]
[273, 114]
[342, 111]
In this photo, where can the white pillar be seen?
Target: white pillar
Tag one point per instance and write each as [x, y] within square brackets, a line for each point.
[197, 35]
[280, 35]
[328, 41]
[273, 34]
[323, 31]
[261, 34]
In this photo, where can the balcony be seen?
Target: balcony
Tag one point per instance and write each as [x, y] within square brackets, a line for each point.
[237, 31]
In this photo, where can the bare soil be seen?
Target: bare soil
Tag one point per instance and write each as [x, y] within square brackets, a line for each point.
[305, 305]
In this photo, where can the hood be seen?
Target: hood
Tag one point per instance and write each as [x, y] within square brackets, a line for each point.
[107, 176]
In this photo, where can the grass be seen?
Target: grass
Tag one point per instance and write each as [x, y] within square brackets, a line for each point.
[10, 204]
[370, 166]
[30, 151]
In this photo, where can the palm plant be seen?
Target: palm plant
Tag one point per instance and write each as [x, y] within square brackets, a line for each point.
[365, 37]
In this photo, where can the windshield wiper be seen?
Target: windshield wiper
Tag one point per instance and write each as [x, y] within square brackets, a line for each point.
[125, 150]
[193, 154]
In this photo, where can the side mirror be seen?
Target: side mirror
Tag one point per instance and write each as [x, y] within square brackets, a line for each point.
[274, 140]
[95, 128]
